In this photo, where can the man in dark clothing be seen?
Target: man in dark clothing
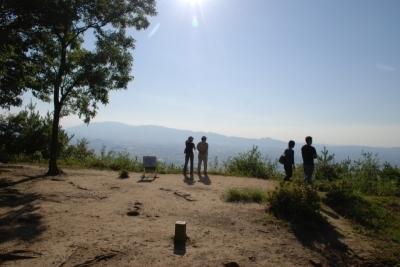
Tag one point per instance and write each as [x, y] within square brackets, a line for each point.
[308, 153]
[189, 155]
[289, 160]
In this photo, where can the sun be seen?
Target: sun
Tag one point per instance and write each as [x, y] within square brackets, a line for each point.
[194, 2]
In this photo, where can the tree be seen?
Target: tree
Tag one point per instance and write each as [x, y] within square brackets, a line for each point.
[16, 23]
[63, 70]
[27, 133]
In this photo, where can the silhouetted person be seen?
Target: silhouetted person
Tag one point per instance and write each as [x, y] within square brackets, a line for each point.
[308, 153]
[202, 147]
[289, 160]
[189, 155]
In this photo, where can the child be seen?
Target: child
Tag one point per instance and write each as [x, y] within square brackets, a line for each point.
[289, 160]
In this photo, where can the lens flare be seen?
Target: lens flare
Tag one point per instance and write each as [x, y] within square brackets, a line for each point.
[195, 22]
[194, 2]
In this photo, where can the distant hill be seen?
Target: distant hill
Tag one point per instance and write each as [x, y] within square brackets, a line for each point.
[168, 144]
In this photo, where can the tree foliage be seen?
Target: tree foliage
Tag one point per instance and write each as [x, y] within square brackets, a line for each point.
[57, 65]
[16, 25]
[28, 134]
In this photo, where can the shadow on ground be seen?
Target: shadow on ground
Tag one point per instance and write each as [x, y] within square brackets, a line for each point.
[188, 180]
[18, 254]
[205, 180]
[22, 220]
[323, 238]
[147, 179]
[5, 182]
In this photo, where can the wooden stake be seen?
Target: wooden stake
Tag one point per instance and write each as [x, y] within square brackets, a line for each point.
[180, 232]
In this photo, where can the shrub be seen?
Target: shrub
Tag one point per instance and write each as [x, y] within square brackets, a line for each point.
[111, 160]
[328, 170]
[322, 185]
[297, 203]
[164, 168]
[368, 177]
[251, 164]
[121, 161]
[245, 195]
[365, 174]
[123, 174]
[80, 151]
[391, 175]
[326, 167]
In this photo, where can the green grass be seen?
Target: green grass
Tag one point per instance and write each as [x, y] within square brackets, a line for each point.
[391, 205]
[343, 199]
[245, 195]
[377, 216]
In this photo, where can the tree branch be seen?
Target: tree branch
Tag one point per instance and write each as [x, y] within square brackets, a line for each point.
[67, 91]
[83, 29]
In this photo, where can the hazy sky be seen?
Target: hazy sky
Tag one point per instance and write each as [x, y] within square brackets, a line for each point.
[268, 68]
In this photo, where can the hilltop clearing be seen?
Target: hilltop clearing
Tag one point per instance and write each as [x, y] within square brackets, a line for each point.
[93, 218]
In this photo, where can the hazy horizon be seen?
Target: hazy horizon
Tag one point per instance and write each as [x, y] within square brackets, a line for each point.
[298, 141]
[168, 143]
[278, 69]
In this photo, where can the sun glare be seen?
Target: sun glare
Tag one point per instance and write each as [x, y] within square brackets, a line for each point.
[194, 2]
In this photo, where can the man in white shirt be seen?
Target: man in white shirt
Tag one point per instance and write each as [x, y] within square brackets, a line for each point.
[202, 147]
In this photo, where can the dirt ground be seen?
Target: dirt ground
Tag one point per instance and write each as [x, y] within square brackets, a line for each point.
[93, 218]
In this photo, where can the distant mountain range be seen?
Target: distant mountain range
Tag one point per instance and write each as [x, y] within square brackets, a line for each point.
[168, 144]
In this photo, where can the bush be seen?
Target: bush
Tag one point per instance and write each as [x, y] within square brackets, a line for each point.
[245, 195]
[297, 203]
[121, 161]
[111, 160]
[123, 174]
[326, 167]
[343, 199]
[322, 186]
[368, 177]
[329, 170]
[79, 151]
[391, 175]
[251, 164]
[164, 168]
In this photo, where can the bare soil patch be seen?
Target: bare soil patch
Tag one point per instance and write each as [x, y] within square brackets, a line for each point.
[93, 218]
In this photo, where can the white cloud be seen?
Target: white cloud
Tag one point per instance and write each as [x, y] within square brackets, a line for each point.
[384, 67]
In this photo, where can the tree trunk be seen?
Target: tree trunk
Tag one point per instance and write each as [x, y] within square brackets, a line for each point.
[54, 146]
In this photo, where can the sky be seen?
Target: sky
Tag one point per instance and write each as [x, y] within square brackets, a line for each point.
[267, 68]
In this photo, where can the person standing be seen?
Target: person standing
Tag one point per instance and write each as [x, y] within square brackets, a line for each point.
[189, 155]
[202, 147]
[289, 160]
[308, 153]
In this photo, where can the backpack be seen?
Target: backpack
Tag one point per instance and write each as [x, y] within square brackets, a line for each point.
[282, 159]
